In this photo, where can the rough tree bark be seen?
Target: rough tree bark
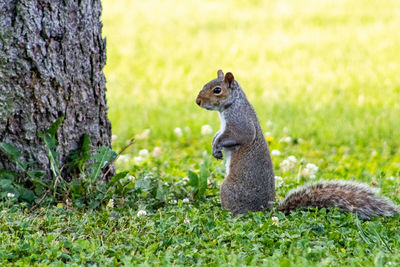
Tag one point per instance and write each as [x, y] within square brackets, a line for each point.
[52, 56]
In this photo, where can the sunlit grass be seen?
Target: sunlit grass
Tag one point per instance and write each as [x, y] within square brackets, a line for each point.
[324, 78]
[325, 71]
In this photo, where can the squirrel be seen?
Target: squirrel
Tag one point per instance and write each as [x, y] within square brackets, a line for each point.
[249, 184]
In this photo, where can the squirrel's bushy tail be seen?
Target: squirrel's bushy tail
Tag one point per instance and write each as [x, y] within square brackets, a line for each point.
[345, 195]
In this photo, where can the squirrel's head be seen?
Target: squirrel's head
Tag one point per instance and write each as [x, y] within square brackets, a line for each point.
[217, 94]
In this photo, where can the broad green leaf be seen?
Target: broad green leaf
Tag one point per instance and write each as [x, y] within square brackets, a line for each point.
[54, 126]
[102, 158]
[11, 150]
[193, 179]
[143, 184]
[203, 177]
[9, 175]
[26, 194]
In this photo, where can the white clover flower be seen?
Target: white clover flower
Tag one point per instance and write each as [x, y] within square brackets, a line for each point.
[275, 220]
[278, 181]
[138, 160]
[267, 134]
[10, 195]
[110, 203]
[144, 135]
[286, 165]
[270, 124]
[186, 221]
[178, 132]
[275, 152]
[312, 167]
[173, 201]
[156, 151]
[287, 139]
[123, 158]
[292, 159]
[206, 129]
[185, 200]
[309, 171]
[144, 153]
[141, 213]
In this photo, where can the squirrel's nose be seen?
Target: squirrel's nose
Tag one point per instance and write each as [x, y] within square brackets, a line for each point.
[198, 101]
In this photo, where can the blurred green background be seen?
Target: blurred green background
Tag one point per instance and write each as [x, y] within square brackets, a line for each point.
[322, 72]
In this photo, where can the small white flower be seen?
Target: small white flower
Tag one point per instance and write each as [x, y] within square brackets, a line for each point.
[206, 129]
[131, 178]
[144, 153]
[269, 124]
[185, 180]
[138, 160]
[110, 203]
[278, 181]
[286, 165]
[292, 159]
[123, 158]
[141, 213]
[309, 171]
[391, 178]
[185, 200]
[178, 132]
[113, 138]
[156, 151]
[287, 139]
[312, 167]
[275, 220]
[267, 134]
[166, 183]
[186, 221]
[187, 129]
[275, 152]
[10, 195]
[173, 201]
[144, 135]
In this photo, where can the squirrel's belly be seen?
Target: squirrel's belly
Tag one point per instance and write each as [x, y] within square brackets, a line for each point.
[228, 156]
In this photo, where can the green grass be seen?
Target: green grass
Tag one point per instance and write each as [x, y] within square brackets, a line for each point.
[325, 73]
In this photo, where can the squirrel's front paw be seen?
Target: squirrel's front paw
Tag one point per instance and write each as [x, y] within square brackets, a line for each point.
[217, 154]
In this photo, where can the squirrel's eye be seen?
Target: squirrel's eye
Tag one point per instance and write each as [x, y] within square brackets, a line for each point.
[217, 90]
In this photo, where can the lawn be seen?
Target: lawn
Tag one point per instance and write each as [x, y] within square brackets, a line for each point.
[324, 79]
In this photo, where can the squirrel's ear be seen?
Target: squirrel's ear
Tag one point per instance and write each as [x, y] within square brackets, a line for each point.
[220, 75]
[229, 78]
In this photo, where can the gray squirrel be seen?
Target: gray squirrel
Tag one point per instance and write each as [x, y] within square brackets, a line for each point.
[249, 184]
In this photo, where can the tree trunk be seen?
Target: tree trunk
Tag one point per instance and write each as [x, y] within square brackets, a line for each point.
[52, 56]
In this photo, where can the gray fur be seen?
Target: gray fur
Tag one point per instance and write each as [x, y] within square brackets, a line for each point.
[347, 196]
[249, 184]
